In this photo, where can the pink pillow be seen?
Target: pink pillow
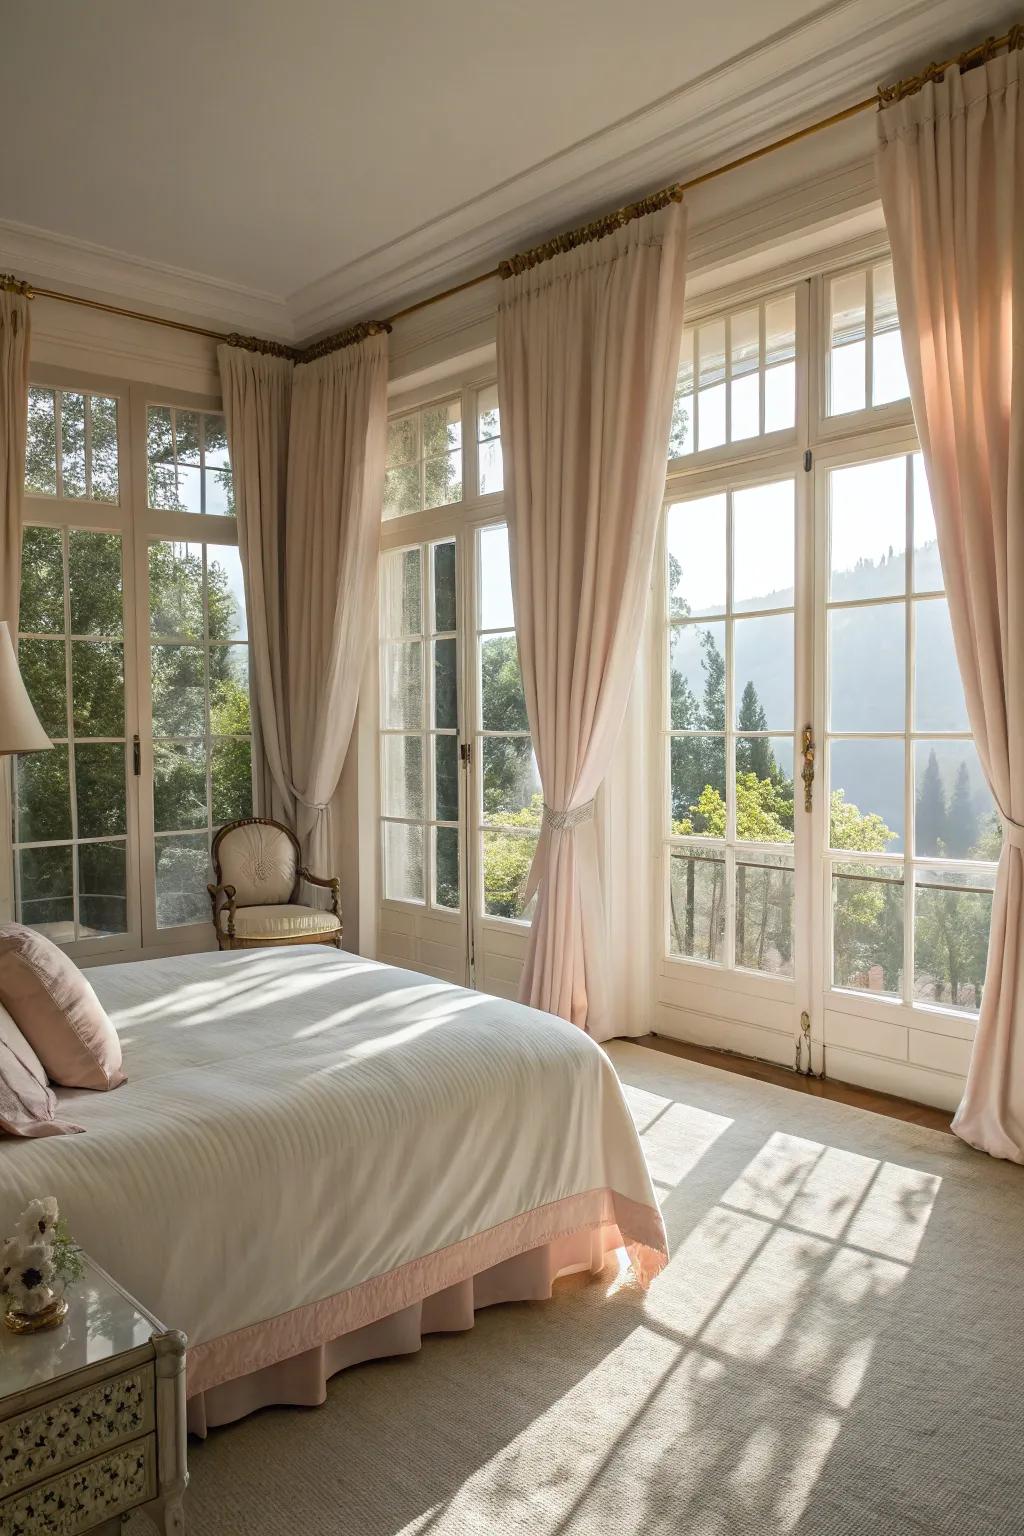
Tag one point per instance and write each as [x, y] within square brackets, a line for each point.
[27, 1102]
[57, 1011]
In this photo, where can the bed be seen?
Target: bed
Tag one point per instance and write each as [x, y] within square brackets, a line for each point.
[317, 1158]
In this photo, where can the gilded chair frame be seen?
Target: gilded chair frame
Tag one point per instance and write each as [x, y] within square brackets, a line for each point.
[222, 897]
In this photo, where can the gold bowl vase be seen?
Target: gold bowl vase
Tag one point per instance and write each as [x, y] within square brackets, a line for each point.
[50, 1316]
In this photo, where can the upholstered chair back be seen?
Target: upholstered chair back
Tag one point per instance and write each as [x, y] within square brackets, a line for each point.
[260, 860]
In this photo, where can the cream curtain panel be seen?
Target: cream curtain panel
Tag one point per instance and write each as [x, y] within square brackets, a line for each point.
[588, 346]
[15, 331]
[257, 392]
[951, 165]
[308, 442]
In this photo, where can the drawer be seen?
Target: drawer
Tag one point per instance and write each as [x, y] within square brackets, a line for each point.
[85, 1496]
[56, 1435]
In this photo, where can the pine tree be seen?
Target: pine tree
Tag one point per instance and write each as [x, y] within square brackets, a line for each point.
[753, 756]
[962, 821]
[930, 810]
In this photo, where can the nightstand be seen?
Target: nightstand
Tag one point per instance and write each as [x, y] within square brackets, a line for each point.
[92, 1418]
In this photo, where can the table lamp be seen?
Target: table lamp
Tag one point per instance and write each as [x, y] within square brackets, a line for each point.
[20, 730]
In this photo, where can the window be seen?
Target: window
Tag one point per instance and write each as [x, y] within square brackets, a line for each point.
[133, 645]
[71, 449]
[187, 462]
[865, 361]
[511, 804]
[419, 726]
[730, 722]
[488, 438]
[71, 814]
[913, 831]
[201, 727]
[737, 377]
[424, 459]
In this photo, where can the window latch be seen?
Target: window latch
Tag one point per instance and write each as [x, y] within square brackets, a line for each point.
[807, 771]
[465, 753]
[136, 756]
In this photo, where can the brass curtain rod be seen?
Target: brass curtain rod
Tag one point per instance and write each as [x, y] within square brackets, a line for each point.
[1013, 38]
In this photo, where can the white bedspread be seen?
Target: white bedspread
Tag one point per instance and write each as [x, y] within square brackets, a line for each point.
[298, 1121]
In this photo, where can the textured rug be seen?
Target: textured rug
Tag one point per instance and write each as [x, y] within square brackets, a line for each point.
[836, 1347]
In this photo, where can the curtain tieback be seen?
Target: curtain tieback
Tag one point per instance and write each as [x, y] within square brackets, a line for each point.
[565, 821]
[311, 805]
[1013, 832]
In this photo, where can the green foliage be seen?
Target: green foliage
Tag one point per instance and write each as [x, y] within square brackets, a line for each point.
[507, 859]
[855, 829]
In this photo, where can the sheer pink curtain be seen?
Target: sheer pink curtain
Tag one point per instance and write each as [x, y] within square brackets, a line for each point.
[588, 345]
[951, 165]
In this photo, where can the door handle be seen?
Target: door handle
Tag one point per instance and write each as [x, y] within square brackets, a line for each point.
[807, 771]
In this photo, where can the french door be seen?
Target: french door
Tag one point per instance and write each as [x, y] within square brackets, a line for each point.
[460, 804]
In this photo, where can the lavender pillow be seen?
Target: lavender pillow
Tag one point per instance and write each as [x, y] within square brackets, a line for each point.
[57, 1011]
[27, 1102]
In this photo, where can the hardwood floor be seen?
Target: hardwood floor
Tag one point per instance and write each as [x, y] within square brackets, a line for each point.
[768, 1072]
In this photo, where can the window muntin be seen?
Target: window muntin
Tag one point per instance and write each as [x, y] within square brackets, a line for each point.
[419, 726]
[200, 712]
[424, 459]
[511, 804]
[865, 360]
[187, 464]
[737, 378]
[490, 469]
[729, 731]
[71, 449]
[71, 804]
[913, 831]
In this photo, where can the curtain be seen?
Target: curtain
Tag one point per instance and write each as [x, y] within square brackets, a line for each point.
[308, 445]
[15, 329]
[588, 346]
[335, 492]
[257, 391]
[951, 166]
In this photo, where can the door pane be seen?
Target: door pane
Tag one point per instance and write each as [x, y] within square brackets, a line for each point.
[954, 814]
[507, 856]
[866, 779]
[102, 889]
[696, 539]
[867, 668]
[403, 861]
[182, 873]
[763, 673]
[867, 917]
[697, 906]
[868, 529]
[402, 776]
[764, 916]
[698, 805]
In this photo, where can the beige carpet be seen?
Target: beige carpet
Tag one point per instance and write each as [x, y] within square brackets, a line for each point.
[837, 1347]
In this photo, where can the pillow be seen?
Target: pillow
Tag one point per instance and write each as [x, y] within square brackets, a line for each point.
[57, 1011]
[27, 1102]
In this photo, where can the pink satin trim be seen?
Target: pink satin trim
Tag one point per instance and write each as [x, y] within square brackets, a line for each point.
[291, 1333]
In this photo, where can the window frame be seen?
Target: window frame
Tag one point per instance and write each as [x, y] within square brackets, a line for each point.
[70, 514]
[154, 525]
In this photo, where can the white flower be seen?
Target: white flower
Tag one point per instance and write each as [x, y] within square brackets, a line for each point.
[30, 1275]
[10, 1250]
[39, 1218]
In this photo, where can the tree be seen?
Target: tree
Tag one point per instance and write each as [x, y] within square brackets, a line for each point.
[753, 755]
[930, 810]
[961, 818]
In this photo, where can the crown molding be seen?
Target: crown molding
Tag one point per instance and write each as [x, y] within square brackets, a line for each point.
[97, 272]
[821, 63]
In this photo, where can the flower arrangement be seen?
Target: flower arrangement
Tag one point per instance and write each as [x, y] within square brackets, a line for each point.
[36, 1262]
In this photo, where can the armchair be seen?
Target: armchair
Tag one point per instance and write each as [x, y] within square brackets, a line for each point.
[255, 902]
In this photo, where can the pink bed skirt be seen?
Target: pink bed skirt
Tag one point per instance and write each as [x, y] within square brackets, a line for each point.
[290, 1358]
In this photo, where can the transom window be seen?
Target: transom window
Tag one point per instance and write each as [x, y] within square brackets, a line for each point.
[737, 377]
[865, 350]
[490, 471]
[424, 459]
[71, 449]
[909, 806]
[188, 469]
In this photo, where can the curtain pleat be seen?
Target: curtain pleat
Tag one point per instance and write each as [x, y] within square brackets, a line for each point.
[308, 446]
[951, 167]
[588, 347]
[15, 333]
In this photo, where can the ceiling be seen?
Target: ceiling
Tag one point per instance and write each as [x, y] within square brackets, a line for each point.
[316, 156]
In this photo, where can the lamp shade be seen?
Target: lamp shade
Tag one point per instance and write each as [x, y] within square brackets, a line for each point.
[20, 730]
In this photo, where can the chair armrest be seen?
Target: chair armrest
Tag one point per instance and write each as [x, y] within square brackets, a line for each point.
[331, 883]
[228, 892]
